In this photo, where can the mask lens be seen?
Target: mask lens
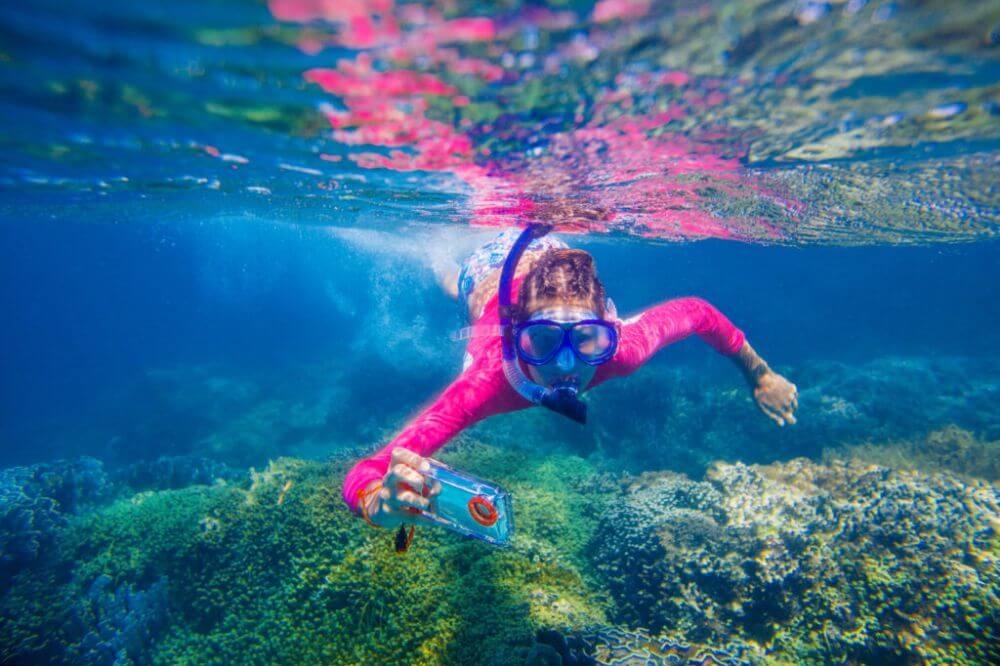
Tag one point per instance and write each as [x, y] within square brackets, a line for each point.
[591, 341]
[539, 341]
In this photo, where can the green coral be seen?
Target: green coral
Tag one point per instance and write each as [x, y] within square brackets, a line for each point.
[322, 587]
[951, 448]
[783, 563]
[278, 571]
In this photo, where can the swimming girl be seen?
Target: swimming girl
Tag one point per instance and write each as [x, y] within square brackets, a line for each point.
[561, 336]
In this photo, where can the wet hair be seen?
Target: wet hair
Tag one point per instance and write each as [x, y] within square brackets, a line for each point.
[563, 276]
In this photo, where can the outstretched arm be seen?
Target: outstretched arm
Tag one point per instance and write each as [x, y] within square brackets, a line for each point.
[649, 332]
[474, 395]
[644, 335]
[776, 396]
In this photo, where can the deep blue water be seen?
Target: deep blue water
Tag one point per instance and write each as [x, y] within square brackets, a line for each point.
[93, 307]
[255, 189]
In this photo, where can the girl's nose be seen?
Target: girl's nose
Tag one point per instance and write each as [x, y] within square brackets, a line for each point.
[565, 360]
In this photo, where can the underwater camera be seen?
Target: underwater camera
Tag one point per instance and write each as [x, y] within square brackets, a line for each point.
[470, 506]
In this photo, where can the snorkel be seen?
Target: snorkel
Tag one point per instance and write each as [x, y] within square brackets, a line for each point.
[563, 398]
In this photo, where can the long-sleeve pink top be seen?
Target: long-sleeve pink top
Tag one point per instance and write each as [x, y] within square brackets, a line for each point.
[482, 389]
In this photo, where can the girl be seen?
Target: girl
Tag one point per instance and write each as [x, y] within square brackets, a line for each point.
[560, 337]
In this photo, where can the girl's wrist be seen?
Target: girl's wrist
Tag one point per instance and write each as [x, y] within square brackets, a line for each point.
[752, 365]
[369, 503]
[756, 373]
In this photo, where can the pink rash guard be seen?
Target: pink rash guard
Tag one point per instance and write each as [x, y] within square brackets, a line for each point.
[482, 390]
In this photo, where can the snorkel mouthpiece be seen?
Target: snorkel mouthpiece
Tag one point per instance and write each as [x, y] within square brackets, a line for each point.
[562, 399]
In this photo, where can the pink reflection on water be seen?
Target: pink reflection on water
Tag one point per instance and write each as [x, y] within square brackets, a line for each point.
[361, 82]
[617, 169]
[609, 10]
[389, 109]
[364, 23]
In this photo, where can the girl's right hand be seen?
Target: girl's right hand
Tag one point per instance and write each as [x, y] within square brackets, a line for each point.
[405, 490]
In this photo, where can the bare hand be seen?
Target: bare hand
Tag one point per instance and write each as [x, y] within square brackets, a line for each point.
[405, 490]
[777, 397]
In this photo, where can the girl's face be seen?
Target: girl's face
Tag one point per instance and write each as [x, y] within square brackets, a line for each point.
[565, 369]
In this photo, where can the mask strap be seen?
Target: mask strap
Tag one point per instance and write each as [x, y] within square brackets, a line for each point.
[476, 331]
[611, 312]
[562, 401]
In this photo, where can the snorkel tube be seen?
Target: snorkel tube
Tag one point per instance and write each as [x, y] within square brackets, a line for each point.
[561, 399]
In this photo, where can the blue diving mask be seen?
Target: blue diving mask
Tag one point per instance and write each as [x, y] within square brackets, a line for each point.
[565, 334]
[562, 347]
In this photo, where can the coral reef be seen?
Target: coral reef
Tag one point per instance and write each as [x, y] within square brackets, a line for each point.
[690, 419]
[35, 501]
[119, 625]
[614, 645]
[951, 448]
[814, 562]
[167, 472]
[276, 570]
[796, 562]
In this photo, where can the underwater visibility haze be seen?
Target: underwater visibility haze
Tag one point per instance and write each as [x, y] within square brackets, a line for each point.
[224, 226]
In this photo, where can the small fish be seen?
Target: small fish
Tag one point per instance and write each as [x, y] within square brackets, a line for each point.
[284, 489]
[403, 539]
[300, 169]
[947, 110]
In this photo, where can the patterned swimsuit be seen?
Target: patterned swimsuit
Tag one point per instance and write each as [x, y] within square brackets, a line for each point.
[490, 256]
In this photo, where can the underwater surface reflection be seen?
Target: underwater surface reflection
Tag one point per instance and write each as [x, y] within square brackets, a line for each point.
[789, 122]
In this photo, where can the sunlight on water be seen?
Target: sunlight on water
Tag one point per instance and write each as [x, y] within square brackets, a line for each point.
[791, 122]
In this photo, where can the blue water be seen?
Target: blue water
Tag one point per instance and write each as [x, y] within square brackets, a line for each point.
[111, 302]
[219, 229]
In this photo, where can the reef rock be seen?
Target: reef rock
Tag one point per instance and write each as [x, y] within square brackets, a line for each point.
[118, 624]
[600, 645]
[690, 420]
[951, 448]
[814, 562]
[35, 501]
[168, 472]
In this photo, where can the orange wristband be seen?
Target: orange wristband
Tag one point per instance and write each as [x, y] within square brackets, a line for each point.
[363, 495]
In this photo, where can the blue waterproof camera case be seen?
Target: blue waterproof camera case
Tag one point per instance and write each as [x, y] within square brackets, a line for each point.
[470, 506]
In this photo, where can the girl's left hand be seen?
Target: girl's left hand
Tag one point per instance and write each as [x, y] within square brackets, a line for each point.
[777, 397]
